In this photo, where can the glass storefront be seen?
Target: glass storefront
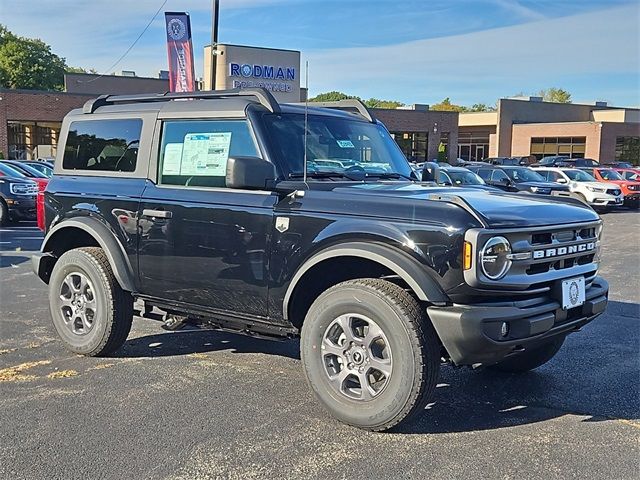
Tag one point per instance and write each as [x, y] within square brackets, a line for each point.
[32, 140]
[473, 146]
[573, 147]
[413, 144]
[628, 149]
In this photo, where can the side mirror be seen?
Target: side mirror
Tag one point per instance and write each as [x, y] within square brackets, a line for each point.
[430, 172]
[250, 173]
[561, 180]
[505, 181]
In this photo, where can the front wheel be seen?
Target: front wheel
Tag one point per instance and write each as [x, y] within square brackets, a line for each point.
[370, 353]
[90, 311]
[530, 359]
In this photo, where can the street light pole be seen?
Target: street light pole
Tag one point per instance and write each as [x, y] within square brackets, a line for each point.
[215, 9]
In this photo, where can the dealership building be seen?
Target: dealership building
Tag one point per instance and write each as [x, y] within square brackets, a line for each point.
[529, 126]
[30, 120]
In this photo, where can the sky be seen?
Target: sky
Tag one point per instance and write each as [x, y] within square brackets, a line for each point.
[473, 51]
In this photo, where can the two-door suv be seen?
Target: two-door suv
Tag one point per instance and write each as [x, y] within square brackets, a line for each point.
[230, 209]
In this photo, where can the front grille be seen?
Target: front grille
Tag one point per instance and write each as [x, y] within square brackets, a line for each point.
[613, 191]
[542, 256]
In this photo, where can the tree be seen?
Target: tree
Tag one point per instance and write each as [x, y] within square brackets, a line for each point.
[331, 97]
[69, 69]
[371, 103]
[446, 106]
[29, 63]
[557, 95]
[482, 107]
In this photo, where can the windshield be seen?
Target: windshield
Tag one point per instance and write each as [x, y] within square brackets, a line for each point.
[579, 176]
[523, 175]
[465, 178]
[335, 145]
[610, 175]
[11, 172]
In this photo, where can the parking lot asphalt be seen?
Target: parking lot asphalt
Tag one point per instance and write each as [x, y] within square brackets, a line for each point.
[206, 404]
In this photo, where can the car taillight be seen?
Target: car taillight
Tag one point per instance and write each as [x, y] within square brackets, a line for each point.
[40, 207]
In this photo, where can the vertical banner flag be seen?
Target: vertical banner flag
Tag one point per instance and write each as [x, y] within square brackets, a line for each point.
[180, 52]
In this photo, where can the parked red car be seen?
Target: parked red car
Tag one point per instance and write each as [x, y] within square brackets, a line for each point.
[630, 174]
[630, 188]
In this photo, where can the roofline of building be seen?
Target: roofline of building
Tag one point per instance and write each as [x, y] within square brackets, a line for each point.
[115, 76]
[249, 46]
[46, 92]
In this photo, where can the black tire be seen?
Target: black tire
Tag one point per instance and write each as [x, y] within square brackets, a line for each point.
[113, 315]
[4, 213]
[414, 347]
[530, 359]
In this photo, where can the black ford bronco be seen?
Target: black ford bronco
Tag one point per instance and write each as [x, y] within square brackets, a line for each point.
[232, 210]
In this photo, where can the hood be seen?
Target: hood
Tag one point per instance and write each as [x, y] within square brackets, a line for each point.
[494, 209]
[544, 185]
[595, 185]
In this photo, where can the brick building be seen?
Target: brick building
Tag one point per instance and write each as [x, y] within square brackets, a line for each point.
[30, 121]
[529, 126]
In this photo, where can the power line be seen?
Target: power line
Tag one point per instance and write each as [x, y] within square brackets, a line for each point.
[131, 46]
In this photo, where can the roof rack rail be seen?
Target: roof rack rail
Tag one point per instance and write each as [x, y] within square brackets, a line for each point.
[262, 95]
[348, 104]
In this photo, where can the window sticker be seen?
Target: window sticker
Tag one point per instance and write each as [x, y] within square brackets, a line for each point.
[345, 144]
[172, 159]
[205, 154]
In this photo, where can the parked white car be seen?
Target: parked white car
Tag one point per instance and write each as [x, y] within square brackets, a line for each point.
[596, 194]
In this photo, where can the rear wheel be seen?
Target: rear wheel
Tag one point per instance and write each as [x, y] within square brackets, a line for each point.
[370, 353]
[530, 359]
[90, 311]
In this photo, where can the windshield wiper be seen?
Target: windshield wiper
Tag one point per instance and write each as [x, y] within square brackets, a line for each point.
[384, 175]
[324, 175]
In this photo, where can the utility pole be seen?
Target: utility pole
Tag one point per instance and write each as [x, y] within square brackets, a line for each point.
[215, 10]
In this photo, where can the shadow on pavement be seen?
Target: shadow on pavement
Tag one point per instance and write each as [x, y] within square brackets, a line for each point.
[596, 374]
[9, 260]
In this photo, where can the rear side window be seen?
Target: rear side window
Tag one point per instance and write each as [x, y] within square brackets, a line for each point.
[484, 173]
[194, 153]
[103, 145]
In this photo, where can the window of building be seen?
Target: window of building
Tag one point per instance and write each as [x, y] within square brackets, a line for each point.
[195, 153]
[103, 145]
[573, 147]
[32, 140]
[628, 149]
[473, 146]
[413, 144]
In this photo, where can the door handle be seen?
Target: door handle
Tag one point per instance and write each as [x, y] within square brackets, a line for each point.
[156, 213]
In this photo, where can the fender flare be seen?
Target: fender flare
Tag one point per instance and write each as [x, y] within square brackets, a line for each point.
[112, 248]
[412, 272]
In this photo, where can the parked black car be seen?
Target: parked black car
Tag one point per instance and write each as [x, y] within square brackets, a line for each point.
[17, 196]
[513, 161]
[206, 209]
[564, 161]
[453, 176]
[517, 179]
[43, 167]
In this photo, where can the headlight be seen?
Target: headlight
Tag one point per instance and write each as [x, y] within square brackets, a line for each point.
[20, 189]
[494, 258]
[596, 189]
[534, 189]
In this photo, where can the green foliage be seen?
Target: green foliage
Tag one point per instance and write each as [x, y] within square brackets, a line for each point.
[481, 107]
[69, 69]
[371, 103]
[331, 97]
[29, 63]
[446, 106]
[557, 95]
[1, 155]
[442, 153]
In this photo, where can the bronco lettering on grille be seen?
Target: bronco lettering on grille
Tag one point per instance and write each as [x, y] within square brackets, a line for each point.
[559, 251]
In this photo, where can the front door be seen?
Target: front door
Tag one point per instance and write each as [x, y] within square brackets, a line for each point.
[200, 242]
[479, 152]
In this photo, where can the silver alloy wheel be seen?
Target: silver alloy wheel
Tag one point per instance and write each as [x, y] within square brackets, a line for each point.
[356, 356]
[77, 303]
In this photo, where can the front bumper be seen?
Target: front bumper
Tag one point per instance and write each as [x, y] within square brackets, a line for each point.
[22, 207]
[632, 200]
[607, 201]
[471, 334]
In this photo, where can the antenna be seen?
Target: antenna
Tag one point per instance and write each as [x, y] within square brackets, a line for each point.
[306, 120]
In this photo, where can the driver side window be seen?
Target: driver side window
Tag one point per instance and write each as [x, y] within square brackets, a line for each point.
[499, 176]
